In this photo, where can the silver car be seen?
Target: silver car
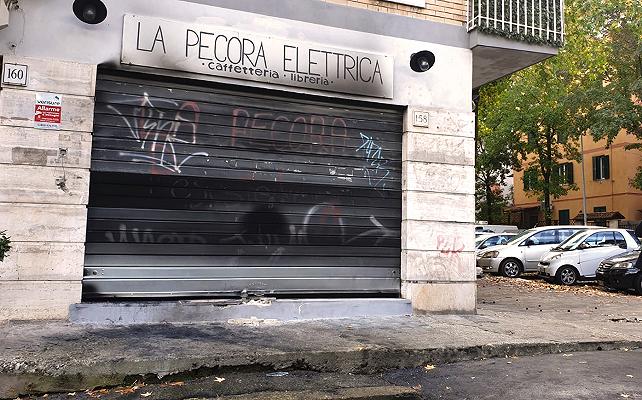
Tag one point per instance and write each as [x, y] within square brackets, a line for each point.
[523, 252]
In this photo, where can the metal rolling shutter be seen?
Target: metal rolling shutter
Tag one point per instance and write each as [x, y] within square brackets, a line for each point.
[199, 191]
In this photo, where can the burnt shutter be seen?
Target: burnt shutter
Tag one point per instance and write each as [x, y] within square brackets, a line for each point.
[198, 190]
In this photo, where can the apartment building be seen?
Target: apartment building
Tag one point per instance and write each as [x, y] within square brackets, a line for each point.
[610, 198]
[184, 151]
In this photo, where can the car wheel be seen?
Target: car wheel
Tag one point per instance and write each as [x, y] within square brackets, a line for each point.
[510, 268]
[567, 276]
[638, 285]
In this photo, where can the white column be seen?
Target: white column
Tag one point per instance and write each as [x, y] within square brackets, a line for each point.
[438, 261]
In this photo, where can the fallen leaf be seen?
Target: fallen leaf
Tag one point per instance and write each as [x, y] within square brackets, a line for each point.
[629, 376]
[127, 390]
[176, 383]
[429, 367]
[71, 394]
[146, 394]
[218, 380]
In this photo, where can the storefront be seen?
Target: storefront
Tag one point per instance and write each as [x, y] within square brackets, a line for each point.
[232, 149]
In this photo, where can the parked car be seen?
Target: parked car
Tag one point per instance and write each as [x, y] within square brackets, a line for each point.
[485, 228]
[580, 255]
[619, 272]
[492, 239]
[523, 252]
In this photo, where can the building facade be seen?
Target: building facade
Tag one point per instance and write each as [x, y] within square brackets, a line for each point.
[219, 148]
[610, 198]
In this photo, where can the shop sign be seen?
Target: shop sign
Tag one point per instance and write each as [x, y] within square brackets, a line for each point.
[221, 51]
[48, 112]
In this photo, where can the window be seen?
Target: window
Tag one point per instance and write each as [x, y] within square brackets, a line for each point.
[599, 209]
[601, 168]
[620, 241]
[600, 239]
[564, 234]
[492, 241]
[544, 237]
[565, 217]
[416, 3]
[565, 172]
[530, 179]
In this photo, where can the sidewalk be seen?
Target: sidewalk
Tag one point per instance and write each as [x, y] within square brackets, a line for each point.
[58, 356]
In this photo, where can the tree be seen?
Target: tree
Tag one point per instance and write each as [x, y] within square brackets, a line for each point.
[495, 156]
[531, 112]
[593, 86]
[609, 94]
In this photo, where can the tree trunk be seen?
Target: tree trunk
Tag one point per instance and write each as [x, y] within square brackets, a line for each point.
[489, 202]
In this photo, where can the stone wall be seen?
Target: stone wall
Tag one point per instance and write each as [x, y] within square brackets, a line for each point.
[446, 11]
[44, 186]
[438, 213]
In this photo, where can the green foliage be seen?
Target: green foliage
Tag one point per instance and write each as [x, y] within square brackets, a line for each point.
[593, 86]
[5, 245]
[636, 181]
[609, 89]
[495, 156]
[531, 112]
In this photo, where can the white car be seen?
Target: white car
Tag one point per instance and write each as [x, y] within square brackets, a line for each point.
[581, 254]
[523, 252]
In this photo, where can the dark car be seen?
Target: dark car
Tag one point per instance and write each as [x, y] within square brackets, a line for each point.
[619, 272]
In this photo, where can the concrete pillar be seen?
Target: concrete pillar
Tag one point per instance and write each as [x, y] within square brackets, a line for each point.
[44, 187]
[437, 248]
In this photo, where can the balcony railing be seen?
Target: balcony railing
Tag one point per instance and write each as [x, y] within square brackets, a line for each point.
[536, 21]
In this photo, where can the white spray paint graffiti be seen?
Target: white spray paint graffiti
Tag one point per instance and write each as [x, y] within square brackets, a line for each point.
[158, 133]
[373, 155]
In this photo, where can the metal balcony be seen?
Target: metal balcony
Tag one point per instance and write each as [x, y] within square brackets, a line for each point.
[539, 21]
[509, 35]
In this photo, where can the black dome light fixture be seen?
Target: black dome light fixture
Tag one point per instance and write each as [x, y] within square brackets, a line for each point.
[422, 61]
[90, 11]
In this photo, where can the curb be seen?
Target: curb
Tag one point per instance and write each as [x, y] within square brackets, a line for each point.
[16, 381]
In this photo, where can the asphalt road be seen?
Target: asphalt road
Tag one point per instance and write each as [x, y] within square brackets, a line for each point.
[595, 375]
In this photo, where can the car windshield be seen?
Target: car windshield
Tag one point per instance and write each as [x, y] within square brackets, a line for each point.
[520, 235]
[573, 241]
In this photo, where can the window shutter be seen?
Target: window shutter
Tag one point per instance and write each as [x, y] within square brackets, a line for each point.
[607, 167]
[595, 168]
[570, 178]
